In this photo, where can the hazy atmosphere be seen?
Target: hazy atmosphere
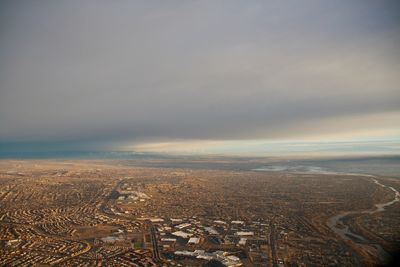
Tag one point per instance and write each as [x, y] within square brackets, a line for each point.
[200, 133]
[200, 76]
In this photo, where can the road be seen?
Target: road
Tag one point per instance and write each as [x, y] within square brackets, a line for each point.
[153, 236]
[272, 240]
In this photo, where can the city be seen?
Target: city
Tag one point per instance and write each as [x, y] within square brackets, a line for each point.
[105, 213]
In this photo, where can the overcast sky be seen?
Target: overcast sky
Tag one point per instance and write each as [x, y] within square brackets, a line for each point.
[157, 75]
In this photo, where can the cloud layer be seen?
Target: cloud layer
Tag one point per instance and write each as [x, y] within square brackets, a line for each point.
[150, 71]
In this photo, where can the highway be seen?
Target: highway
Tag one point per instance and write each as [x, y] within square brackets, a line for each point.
[153, 236]
[272, 240]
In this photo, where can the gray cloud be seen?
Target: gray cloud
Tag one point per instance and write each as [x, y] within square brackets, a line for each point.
[153, 70]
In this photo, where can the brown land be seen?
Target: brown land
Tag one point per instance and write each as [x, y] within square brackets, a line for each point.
[93, 212]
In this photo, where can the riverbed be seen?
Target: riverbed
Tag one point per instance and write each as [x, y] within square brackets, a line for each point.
[337, 225]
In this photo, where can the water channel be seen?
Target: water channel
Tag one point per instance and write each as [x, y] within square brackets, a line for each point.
[337, 225]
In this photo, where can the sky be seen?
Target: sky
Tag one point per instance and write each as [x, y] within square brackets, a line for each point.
[214, 76]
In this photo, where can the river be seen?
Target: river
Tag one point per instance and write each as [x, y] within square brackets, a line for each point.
[346, 234]
[336, 223]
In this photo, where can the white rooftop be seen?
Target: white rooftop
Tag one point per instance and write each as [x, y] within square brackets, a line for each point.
[182, 234]
[194, 240]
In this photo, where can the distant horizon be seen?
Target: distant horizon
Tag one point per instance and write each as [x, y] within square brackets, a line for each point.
[245, 148]
[125, 154]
